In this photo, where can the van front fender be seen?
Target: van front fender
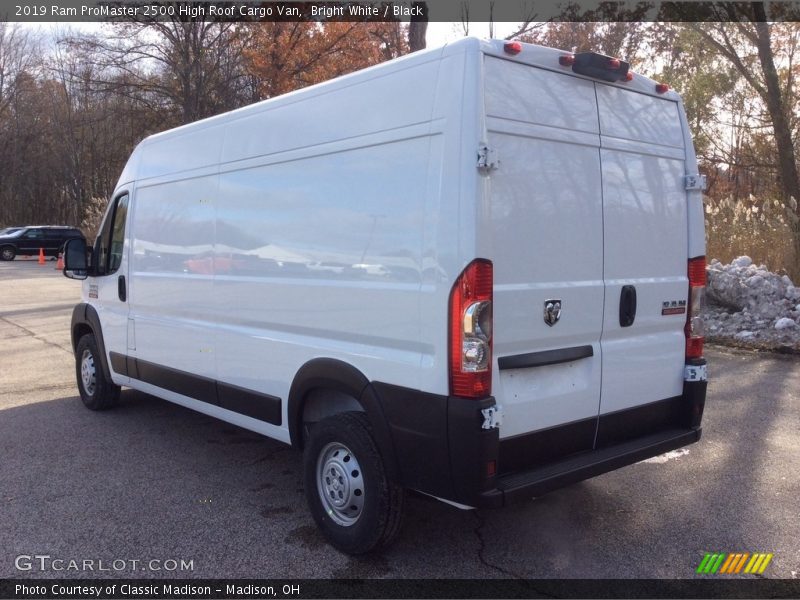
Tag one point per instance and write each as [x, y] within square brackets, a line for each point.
[86, 320]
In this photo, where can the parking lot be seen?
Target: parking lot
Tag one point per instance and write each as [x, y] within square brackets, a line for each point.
[151, 481]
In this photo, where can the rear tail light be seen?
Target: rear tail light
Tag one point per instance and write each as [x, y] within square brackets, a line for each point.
[695, 321]
[471, 331]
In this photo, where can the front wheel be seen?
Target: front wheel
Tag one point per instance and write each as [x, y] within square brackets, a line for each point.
[97, 392]
[350, 497]
[7, 253]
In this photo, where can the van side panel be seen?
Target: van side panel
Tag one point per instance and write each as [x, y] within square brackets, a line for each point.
[311, 257]
[171, 273]
[319, 235]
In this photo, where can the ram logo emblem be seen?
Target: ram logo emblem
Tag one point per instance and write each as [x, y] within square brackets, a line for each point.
[552, 311]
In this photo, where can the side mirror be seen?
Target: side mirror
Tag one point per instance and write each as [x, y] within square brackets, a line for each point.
[76, 265]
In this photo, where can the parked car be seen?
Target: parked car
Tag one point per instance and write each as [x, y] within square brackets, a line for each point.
[8, 230]
[26, 241]
[510, 300]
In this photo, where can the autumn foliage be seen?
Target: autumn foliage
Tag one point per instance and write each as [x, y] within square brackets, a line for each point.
[287, 56]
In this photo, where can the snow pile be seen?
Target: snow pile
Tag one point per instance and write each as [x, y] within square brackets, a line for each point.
[748, 303]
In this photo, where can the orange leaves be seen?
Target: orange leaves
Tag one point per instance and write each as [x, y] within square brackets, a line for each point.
[284, 56]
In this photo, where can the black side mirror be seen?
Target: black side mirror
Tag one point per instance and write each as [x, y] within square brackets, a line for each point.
[76, 265]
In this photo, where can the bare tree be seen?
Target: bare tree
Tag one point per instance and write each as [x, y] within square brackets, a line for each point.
[747, 44]
[763, 77]
[193, 65]
[19, 52]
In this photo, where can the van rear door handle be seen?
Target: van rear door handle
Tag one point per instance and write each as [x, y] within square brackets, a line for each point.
[121, 290]
[627, 305]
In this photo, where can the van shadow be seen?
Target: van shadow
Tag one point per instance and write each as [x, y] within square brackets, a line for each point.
[153, 479]
[658, 519]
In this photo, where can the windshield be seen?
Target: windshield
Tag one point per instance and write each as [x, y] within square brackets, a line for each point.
[11, 231]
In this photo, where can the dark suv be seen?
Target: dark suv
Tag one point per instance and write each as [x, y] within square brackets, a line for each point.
[26, 241]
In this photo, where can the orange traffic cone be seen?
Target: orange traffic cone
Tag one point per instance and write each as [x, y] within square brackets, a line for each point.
[41, 256]
[60, 263]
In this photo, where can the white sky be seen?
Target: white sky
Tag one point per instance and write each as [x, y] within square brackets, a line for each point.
[438, 34]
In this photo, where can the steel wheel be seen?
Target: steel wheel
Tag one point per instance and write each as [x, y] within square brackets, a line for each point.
[97, 390]
[340, 483]
[353, 502]
[88, 374]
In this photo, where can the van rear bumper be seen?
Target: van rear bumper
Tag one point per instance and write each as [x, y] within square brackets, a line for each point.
[537, 482]
[441, 449]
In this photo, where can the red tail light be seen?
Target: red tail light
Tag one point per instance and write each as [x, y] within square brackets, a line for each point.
[471, 331]
[662, 88]
[566, 60]
[695, 321]
[512, 48]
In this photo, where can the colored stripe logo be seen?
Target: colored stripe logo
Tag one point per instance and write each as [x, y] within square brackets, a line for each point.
[717, 563]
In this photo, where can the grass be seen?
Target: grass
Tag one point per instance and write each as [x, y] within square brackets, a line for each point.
[760, 229]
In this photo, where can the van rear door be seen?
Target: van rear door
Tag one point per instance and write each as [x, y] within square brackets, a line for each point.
[589, 241]
[645, 231]
[547, 248]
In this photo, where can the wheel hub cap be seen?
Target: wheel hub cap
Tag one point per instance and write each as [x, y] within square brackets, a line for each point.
[340, 484]
[88, 372]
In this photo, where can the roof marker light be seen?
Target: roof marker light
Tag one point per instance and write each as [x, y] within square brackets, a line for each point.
[629, 76]
[566, 60]
[512, 48]
[662, 88]
[613, 63]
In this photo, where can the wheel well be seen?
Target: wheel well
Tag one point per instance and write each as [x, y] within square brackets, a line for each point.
[81, 329]
[321, 403]
[323, 387]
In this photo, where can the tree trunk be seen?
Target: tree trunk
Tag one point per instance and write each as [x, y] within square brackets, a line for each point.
[776, 105]
[417, 27]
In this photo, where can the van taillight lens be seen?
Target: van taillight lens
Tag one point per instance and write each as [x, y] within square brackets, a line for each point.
[695, 321]
[566, 60]
[471, 331]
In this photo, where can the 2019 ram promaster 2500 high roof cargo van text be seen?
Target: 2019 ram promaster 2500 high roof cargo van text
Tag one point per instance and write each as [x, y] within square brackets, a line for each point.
[482, 290]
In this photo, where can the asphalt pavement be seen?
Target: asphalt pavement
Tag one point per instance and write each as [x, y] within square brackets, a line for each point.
[158, 486]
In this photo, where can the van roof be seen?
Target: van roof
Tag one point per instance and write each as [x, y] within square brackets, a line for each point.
[531, 54]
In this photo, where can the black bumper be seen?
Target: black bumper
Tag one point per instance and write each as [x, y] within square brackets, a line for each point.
[441, 448]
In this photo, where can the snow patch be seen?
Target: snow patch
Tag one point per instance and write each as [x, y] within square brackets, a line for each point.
[662, 458]
[749, 303]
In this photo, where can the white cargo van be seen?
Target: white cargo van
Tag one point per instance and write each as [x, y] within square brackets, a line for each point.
[475, 272]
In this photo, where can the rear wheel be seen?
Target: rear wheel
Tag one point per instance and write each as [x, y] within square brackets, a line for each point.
[350, 497]
[7, 253]
[97, 392]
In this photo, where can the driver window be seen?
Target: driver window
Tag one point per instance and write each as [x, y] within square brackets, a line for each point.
[110, 241]
[118, 234]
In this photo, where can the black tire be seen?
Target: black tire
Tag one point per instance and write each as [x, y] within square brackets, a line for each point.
[377, 522]
[8, 253]
[97, 391]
